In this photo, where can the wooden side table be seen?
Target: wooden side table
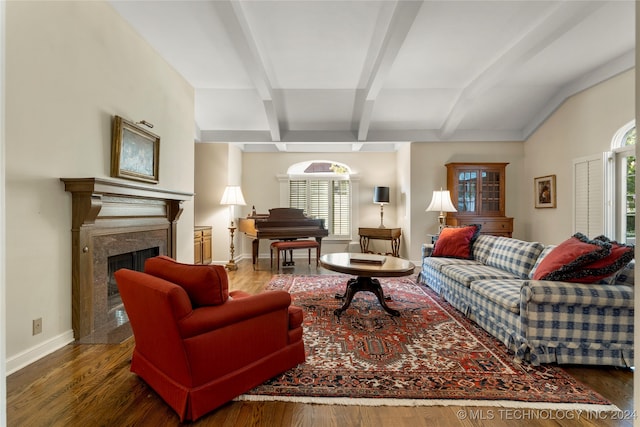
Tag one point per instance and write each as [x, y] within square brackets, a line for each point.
[392, 234]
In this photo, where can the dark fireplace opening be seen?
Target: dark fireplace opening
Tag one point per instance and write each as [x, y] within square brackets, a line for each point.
[131, 260]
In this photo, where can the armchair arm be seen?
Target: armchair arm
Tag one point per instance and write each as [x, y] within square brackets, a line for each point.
[553, 292]
[206, 319]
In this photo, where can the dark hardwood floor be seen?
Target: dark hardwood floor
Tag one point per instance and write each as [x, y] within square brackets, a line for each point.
[90, 385]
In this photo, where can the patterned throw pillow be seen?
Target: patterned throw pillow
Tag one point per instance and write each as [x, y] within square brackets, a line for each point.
[581, 260]
[620, 256]
[566, 258]
[456, 242]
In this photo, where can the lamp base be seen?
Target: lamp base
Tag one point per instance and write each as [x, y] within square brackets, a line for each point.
[442, 222]
[231, 265]
[381, 217]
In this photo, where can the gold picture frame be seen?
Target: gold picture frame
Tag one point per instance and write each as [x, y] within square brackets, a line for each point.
[545, 191]
[135, 152]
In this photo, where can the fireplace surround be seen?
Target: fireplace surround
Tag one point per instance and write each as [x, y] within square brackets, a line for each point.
[112, 217]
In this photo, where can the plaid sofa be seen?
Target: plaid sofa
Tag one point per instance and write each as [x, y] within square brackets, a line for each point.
[540, 321]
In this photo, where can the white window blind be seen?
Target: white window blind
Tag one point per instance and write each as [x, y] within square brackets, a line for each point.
[325, 199]
[588, 196]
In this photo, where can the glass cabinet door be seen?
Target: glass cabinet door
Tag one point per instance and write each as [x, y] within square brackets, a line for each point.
[490, 195]
[467, 191]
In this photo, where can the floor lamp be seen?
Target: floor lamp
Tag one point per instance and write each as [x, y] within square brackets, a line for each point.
[441, 202]
[232, 196]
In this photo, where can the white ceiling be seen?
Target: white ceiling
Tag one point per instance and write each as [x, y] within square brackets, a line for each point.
[367, 75]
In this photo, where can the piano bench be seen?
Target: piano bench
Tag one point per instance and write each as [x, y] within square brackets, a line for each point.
[290, 245]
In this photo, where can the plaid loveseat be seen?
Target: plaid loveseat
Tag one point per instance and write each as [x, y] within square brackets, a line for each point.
[539, 320]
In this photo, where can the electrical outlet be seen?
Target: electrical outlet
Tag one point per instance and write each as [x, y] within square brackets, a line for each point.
[37, 326]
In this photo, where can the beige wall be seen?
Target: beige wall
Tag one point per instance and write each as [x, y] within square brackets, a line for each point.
[404, 170]
[211, 176]
[71, 66]
[583, 126]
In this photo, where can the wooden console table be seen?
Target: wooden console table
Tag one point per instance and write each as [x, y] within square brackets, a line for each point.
[392, 234]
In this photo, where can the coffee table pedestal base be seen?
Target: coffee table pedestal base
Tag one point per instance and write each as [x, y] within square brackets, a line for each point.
[364, 284]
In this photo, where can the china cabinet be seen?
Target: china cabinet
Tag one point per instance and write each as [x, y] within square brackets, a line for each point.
[478, 193]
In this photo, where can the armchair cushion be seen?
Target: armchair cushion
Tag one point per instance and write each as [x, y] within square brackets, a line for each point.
[205, 284]
[237, 310]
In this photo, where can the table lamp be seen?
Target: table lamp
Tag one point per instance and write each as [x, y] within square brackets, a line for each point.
[441, 202]
[232, 196]
[381, 195]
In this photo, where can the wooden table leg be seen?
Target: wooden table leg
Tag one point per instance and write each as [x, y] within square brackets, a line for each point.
[364, 284]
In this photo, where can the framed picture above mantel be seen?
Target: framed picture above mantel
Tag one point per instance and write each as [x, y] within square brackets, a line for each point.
[545, 191]
[135, 152]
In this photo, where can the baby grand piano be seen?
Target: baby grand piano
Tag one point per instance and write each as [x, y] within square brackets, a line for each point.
[281, 224]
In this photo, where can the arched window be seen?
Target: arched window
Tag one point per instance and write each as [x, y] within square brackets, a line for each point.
[323, 189]
[623, 190]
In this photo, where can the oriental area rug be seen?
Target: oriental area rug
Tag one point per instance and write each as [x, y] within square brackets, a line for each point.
[429, 355]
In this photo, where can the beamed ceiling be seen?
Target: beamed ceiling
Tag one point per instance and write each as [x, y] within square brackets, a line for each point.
[368, 75]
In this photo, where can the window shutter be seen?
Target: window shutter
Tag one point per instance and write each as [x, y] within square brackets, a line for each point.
[324, 199]
[319, 199]
[298, 194]
[341, 208]
[588, 196]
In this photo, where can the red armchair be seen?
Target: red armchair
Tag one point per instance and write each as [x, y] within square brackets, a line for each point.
[199, 345]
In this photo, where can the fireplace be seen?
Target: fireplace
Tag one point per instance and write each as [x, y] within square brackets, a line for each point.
[130, 260]
[115, 223]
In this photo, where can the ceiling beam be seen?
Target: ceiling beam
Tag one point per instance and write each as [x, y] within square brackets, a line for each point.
[560, 19]
[393, 25]
[235, 22]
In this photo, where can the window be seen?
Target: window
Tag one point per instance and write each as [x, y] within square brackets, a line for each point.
[323, 190]
[604, 190]
[623, 190]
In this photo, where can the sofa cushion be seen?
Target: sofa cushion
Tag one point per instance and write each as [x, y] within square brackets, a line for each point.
[437, 263]
[566, 258]
[205, 284]
[482, 247]
[543, 254]
[625, 277]
[465, 274]
[456, 242]
[505, 293]
[515, 256]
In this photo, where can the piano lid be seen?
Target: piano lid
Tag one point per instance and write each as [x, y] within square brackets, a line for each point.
[286, 213]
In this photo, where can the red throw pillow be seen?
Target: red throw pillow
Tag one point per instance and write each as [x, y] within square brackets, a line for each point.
[205, 284]
[593, 272]
[569, 256]
[456, 242]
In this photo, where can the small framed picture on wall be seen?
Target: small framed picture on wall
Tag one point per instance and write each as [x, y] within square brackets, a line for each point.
[545, 191]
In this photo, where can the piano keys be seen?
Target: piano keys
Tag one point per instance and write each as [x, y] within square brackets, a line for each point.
[281, 224]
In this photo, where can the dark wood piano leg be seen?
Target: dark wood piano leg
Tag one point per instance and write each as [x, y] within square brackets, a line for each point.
[255, 246]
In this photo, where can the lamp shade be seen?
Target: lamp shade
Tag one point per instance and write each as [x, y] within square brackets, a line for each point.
[381, 195]
[441, 202]
[232, 196]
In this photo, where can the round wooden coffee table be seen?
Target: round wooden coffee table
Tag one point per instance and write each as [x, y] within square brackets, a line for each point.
[366, 267]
